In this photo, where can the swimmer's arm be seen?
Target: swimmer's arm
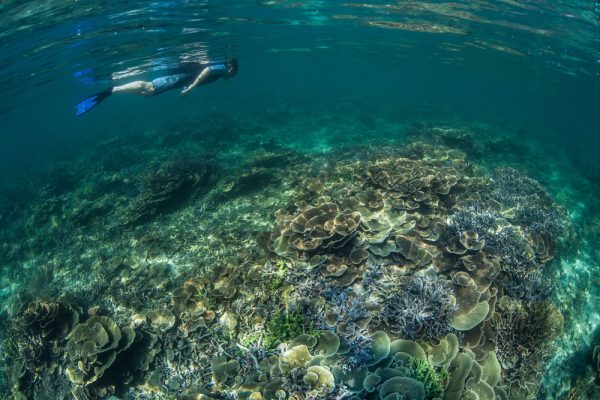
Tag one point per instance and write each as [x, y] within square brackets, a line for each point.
[202, 76]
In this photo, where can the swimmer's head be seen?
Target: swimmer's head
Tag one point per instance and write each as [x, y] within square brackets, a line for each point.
[232, 67]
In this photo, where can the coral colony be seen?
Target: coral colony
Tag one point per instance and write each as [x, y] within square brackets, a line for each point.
[403, 274]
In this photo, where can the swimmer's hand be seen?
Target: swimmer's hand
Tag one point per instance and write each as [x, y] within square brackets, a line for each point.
[202, 76]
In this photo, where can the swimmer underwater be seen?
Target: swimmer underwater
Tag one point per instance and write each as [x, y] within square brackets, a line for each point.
[187, 76]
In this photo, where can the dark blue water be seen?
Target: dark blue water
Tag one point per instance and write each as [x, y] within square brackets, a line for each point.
[321, 85]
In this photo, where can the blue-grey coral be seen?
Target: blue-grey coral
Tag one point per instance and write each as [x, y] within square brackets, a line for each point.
[474, 216]
[351, 312]
[373, 272]
[360, 353]
[534, 208]
[346, 303]
[528, 286]
[541, 220]
[510, 246]
[524, 335]
[422, 308]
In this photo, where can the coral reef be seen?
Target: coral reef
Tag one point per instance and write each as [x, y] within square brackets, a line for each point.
[533, 207]
[422, 308]
[167, 185]
[372, 273]
[93, 347]
[525, 332]
[36, 342]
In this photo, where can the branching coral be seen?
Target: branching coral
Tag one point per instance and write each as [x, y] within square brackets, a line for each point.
[521, 251]
[534, 209]
[491, 227]
[349, 316]
[360, 353]
[528, 286]
[422, 308]
[373, 272]
[512, 247]
[346, 307]
[476, 217]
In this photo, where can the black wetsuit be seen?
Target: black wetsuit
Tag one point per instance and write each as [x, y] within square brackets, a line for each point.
[185, 74]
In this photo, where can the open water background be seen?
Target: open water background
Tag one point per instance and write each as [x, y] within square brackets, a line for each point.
[528, 68]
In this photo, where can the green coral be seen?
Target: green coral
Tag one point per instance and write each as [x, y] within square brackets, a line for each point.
[250, 339]
[433, 381]
[283, 326]
[279, 275]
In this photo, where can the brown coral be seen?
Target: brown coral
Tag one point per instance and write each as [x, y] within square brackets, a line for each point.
[167, 185]
[93, 347]
[51, 320]
[323, 228]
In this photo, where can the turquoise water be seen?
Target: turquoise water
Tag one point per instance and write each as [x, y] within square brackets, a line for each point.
[148, 215]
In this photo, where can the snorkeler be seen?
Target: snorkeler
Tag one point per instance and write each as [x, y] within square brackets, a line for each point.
[186, 76]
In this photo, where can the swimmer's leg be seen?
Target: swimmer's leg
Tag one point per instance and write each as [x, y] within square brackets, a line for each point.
[137, 87]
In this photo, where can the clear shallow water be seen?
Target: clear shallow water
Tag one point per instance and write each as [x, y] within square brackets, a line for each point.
[533, 65]
[314, 77]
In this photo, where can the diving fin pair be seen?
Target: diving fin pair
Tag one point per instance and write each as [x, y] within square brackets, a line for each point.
[87, 104]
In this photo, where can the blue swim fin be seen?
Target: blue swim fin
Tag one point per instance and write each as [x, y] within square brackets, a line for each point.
[87, 104]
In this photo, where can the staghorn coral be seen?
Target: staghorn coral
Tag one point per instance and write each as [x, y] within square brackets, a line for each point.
[521, 253]
[487, 222]
[534, 208]
[476, 217]
[513, 249]
[360, 353]
[373, 273]
[528, 286]
[422, 308]
[347, 311]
